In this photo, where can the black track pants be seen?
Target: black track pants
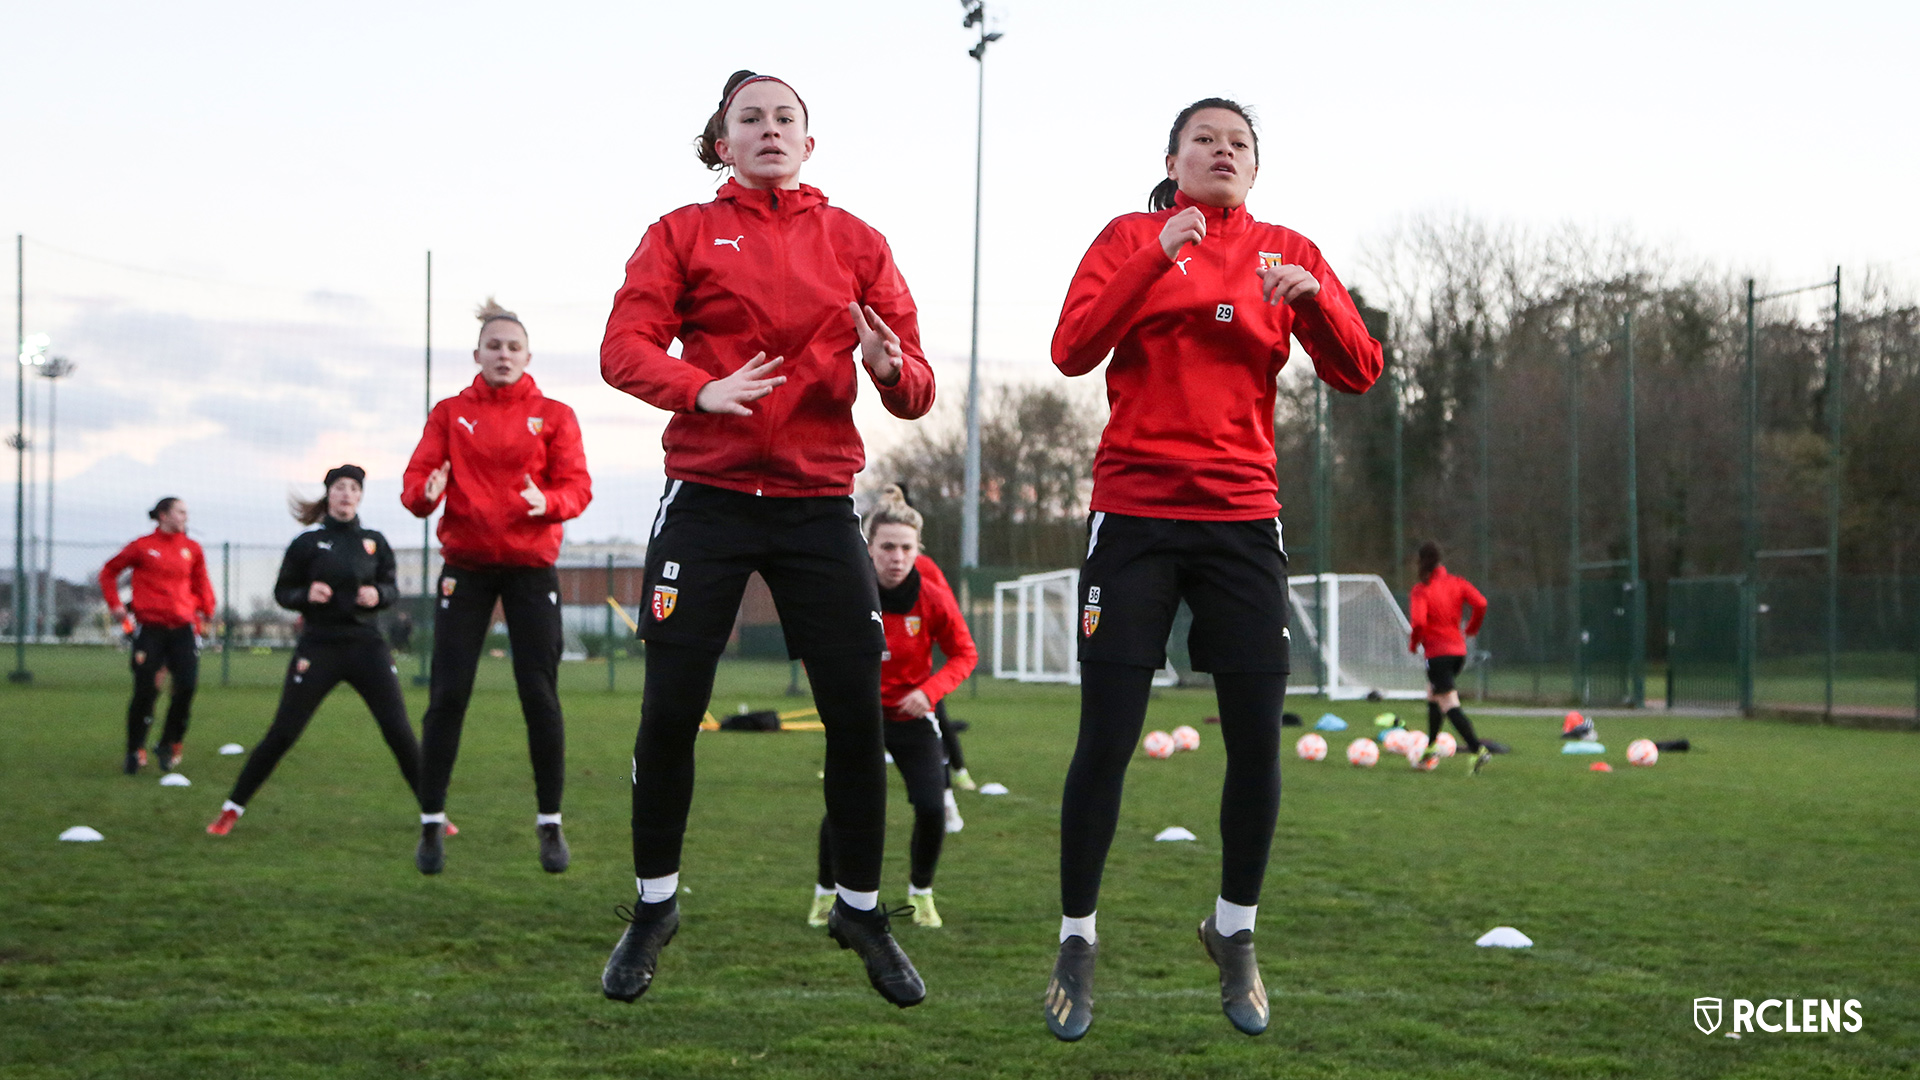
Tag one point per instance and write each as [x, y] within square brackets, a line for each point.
[530, 599]
[362, 662]
[1113, 708]
[917, 753]
[949, 738]
[846, 692]
[176, 649]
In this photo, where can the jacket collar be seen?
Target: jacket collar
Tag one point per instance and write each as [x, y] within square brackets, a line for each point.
[1229, 219]
[770, 202]
[334, 524]
[520, 389]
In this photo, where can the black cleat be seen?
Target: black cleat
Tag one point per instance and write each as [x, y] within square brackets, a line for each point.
[1069, 1000]
[431, 855]
[554, 854]
[870, 934]
[167, 756]
[135, 759]
[630, 969]
[1243, 997]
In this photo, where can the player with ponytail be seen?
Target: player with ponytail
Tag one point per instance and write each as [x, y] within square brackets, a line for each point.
[769, 290]
[1434, 611]
[171, 595]
[1195, 302]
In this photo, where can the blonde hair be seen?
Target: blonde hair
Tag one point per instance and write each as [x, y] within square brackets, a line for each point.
[491, 311]
[891, 509]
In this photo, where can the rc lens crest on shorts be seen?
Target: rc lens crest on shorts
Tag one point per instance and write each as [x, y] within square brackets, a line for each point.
[665, 598]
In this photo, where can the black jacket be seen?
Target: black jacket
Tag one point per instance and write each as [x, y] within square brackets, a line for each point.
[345, 556]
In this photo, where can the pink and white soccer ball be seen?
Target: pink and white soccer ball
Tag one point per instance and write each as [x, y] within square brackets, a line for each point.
[1414, 746]
[1363, 752]
[1642, 752]
[1445, 745]
[1311, 747]
[1158, 744]
[1185, 737]
[1394, 741]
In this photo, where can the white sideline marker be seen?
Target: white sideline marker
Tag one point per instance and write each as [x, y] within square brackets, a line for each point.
[1504, 937]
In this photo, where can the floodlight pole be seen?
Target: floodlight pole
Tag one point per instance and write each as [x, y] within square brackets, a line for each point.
[19, 674]
[1573, 507]
[1749, 519]
[1399, 478]
[1483, 532]
[1835, 465]
[55, 369]
[1637, 607]
[425, 622]
[970, 504]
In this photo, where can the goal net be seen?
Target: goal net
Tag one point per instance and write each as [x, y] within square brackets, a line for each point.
[1349, 635]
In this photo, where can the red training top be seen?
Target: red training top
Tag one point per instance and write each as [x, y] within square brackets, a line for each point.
[762, 271]
[170, 584]
[1195, 354]
[1435, 613]
[908, 663]
[497, 437]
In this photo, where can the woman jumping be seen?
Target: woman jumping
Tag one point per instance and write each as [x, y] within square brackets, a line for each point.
[508, 461]
[1195, 301]
[768, 290]
[919, 613]
[338, 577]
[1434, 611]
[171, 595]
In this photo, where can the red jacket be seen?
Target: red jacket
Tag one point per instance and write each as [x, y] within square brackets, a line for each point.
[908, 663]
[1195, 354]
[753, 271]
[1435, 613]
[170, 584]
[496, 438]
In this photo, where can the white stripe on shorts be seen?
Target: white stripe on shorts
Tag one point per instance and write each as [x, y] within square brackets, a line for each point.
[660, 519]
[1093, 534]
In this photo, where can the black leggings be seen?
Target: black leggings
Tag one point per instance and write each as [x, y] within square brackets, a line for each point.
[362, 662]
[529, 596]
[949, 738]
[846, 691]
[177, 649]
[1113, 707]
[1460, 722]
[917, 753]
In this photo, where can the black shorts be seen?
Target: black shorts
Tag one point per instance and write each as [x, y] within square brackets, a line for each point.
[708, 540]
[1233, 574]
[1442, 670]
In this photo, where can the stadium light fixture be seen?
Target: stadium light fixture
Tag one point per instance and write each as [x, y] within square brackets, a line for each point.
[977, 17]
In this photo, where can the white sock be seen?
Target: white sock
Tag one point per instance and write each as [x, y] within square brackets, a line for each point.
[546, 819]
[434, 819]
[233, 806]
[1229, 918]
[952, 803]
[859, 901]
[915, 890]
[822, 890]
[1080, 928]
[655, 889]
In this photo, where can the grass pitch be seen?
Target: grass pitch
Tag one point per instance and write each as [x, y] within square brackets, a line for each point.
[1773, 861]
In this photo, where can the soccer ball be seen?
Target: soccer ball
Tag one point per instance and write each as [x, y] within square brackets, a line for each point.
[1311, 747]
[1363, 752]
[1445, 746]
[1186, 738]
[1414, 745]
[1642, 752]
[1158, 744]
[1394, 741]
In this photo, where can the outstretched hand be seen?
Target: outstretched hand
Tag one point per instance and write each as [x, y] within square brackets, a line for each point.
[750, 382]
[879, 345]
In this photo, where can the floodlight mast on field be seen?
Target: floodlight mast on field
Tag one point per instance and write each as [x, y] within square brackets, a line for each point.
[55, 369]
[970, 505]
[19, 674]
[1637, 601]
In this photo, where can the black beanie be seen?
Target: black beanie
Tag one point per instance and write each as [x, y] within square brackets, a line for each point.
[347, 472]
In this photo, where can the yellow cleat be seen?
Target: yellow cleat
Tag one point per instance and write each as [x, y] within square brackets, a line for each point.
[924, 913]
[817, 915]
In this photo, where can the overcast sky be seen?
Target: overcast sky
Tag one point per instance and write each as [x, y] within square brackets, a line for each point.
[287, 167]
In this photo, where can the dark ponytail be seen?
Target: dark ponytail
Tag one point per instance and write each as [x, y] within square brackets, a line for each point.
[161, 507]
[1429, 560]
[1163, 192]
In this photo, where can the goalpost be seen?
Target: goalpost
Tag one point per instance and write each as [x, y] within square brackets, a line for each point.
[1349, 635]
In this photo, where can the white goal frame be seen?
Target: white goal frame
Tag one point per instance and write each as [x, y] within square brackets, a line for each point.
[1357, 661]
[1045, 612]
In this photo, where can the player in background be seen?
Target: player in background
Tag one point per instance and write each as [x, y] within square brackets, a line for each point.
[1434, 610]
[171, 595]
[508, 463]
[919, 612]
[338, 577]
[769, 290]
[957, 774]
[1195, 301]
